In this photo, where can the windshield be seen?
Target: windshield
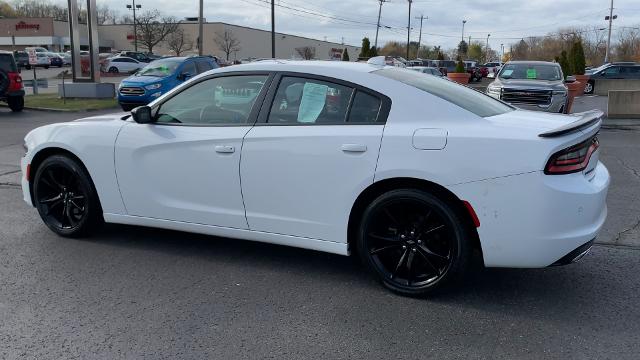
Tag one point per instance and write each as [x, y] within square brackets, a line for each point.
[160, 68]
[547, 72]
[462, 96]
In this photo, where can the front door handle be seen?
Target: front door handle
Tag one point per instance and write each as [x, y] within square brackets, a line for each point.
[225, 149]
[354, 147]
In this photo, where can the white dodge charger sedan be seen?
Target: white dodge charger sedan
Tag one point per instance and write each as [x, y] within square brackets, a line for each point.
[408, 171]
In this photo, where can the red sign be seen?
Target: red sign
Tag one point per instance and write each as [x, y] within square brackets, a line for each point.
[24, 26]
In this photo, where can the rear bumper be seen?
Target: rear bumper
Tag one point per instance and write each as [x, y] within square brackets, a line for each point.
[536, 220]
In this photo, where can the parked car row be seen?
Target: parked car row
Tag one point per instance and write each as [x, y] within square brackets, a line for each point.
[44, 59]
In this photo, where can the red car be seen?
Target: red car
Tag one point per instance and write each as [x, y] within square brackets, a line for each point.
[484, 71]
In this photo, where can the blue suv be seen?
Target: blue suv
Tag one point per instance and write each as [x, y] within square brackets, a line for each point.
[159, 77]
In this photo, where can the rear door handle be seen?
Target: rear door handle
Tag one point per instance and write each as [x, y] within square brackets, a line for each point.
[225, 149]
[354, 147]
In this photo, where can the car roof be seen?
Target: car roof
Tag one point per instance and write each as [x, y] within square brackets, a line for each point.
[533, 62]
[306, 66]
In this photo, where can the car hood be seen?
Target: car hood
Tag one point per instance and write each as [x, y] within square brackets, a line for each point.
[142, 80]
[530, 84]
[534, 122]
[105, 117]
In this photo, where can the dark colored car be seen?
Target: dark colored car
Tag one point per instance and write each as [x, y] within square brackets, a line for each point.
[612, 71]
[445, 66]
[55, 60]
[22, 59]
[11, 87]
[473, 69]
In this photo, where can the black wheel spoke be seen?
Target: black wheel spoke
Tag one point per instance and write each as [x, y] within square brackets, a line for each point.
[426, 260]
[429, 252]
[51, 200]
[400, 262]
[81, 208]
[53, 180]
[409, 267]
[433, 229]
[72, 222]
[391, 217]
[383, 238]
[53, 205]
[383, 249]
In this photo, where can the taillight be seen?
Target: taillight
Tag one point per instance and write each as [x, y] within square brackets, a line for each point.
[572, 159]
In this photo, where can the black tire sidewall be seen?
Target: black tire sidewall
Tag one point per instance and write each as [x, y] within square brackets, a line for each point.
[16, 103]
[461, 247]
[92, 204]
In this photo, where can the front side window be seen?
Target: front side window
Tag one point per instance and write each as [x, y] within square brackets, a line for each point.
[189, 68]
[614, 70]
[462, 96]
[203, 66]
[219, 101]
[307, 102]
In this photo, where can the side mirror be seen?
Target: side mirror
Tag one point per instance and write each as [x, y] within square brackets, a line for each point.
[570, 79]
[142, 115]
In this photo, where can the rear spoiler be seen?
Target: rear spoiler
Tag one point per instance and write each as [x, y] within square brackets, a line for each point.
[585, 120]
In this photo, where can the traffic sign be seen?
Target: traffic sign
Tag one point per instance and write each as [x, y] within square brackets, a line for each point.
[33, 57]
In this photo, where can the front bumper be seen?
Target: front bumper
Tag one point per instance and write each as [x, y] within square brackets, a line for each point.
[535, 220]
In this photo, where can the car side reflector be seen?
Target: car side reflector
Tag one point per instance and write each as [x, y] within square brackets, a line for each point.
[472, 213]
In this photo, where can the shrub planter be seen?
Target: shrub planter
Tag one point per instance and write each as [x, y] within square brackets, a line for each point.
[460, 78]
[574, 89]
[583, 79]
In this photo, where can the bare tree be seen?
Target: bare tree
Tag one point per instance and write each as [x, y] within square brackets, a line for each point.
[227, 42]
[179, 41]
[628, 48]
[106, 15]
[152, 29]
[306, 52]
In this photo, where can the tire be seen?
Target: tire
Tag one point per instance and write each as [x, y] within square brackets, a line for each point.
[65, 197]
[28, 67]
[588, 89]
[113, 70]
[16, 103]
[4, 81]
[413, 242]
[46, 66]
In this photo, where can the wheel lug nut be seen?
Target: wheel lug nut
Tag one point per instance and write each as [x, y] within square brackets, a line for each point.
[414, 249]
[404, 247]
[419, 241]
[402, 236]
[412, 233]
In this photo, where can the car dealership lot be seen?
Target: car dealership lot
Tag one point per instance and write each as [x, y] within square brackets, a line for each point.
[135, 292]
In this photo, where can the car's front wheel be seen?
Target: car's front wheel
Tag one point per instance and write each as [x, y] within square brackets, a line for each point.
[113, 70]
[413, 241]
[588, 89]
[65, 197]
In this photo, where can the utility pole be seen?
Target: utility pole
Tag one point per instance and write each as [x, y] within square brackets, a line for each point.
[486, 50]
[611, 17]
[463, 22]
[409, 29]
[501, 52]
[135, 32]
[200, 28]
[421, 17]
[273, 29]
[375, 44]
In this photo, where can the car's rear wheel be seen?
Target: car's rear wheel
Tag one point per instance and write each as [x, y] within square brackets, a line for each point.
[588, 89]
[16, 103]
[413, 241]
[65, 197]
[113, 70]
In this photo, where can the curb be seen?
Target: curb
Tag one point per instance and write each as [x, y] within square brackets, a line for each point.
[61, 110]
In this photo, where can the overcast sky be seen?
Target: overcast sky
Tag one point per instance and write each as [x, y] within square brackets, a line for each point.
[505, 20]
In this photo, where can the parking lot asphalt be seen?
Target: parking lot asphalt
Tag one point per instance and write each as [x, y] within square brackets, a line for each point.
[132, 292]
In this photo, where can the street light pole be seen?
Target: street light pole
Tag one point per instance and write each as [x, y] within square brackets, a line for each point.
[501, 52]
[463, 22]
[375, 44]
[610, 18]
[408, 29]
[135, 31]
[273, 29]
[421, 17]
[200, 28]
[486, 50]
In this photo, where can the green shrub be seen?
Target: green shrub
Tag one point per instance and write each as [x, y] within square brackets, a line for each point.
[576, 58]
[564, 64]
[345, 55]
[460, 66]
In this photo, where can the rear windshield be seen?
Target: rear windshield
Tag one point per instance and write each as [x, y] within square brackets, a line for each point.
[7, 64]
[466, 98]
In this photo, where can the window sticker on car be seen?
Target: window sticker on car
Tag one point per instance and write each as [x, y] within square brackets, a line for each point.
[531, 74]
[507, 72]
[313, 99]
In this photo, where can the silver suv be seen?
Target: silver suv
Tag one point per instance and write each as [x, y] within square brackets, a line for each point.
[532, 85]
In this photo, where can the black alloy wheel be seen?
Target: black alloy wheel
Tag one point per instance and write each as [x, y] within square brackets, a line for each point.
[413, 241]
[65, 197]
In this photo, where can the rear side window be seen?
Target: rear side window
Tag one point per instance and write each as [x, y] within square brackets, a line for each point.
[203, 66]
[189, 68]
[7, 64]
[307, 102]
[462, 96]
[365, 108]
